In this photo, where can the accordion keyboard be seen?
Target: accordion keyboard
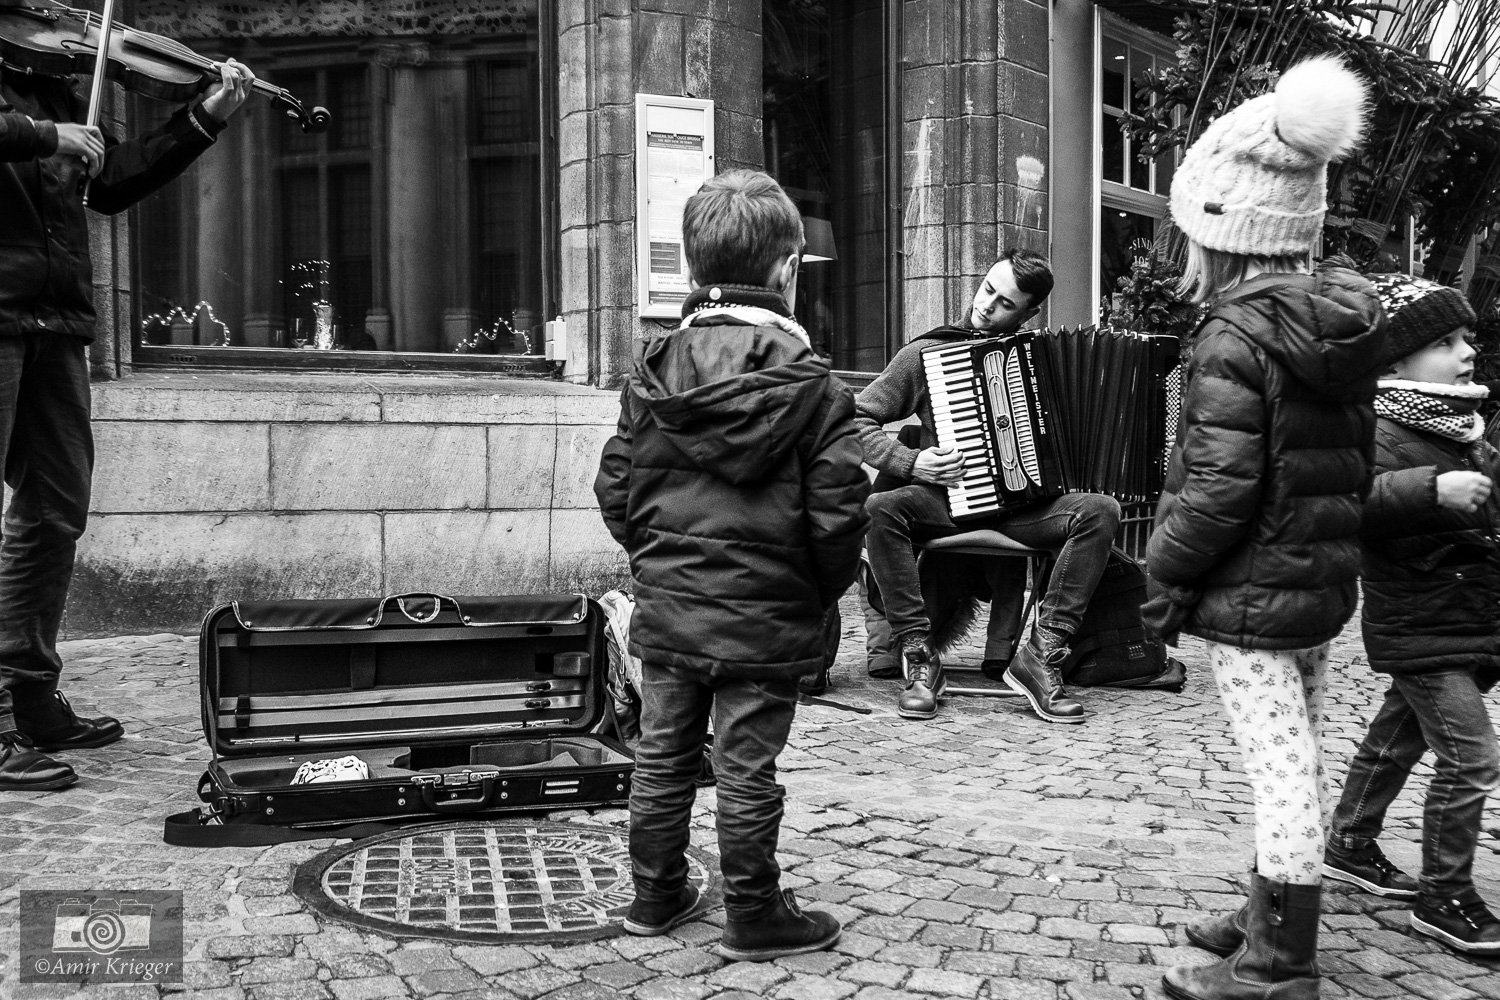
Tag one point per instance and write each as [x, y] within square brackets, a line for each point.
[958, 418]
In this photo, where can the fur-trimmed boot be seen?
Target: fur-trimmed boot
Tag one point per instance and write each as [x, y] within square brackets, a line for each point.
[1276, 961]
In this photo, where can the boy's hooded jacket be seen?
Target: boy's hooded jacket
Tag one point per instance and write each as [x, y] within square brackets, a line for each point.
[1431, 575]
[735, 484]
[1256, 536]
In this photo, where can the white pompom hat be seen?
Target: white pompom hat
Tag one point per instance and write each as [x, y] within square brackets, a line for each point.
[1256, 180]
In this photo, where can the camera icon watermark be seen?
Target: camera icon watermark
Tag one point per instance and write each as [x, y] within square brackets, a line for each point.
[114, 936]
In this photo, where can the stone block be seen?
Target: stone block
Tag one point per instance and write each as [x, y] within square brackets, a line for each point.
[613, 178]
[161, 573]
[577, 463]
[466, 552]
[922, 93]
[1023, 93]
[589, 406]
[162, 466]
[573, 143]
[978, 87]
[521, 465]
[574, 58]
[585, 557]
[978, 142]
[1024, 34]
[922, 34]
[482, 401]
[377, 467]
[658, 51]
[615, 78]
[175, 398]
[978, 35]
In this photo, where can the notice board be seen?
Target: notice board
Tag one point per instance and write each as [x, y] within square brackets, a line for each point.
[674, 155]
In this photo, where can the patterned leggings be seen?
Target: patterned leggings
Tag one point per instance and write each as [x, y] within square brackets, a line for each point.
[1274, 699]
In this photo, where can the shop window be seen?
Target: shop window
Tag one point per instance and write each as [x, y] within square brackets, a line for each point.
[410, 233]
[825, 75]
[1132, 192]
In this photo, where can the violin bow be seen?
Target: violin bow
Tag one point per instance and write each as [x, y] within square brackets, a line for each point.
[101, 63]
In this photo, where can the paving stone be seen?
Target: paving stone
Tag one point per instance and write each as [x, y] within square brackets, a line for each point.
[304, 990]
[275, 970]
[374, 988]
[944, 983]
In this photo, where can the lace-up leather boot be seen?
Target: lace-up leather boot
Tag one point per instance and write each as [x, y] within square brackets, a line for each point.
[783, 930]
[1036, 674]
[925, 682]
[53, 725]
[23, 769]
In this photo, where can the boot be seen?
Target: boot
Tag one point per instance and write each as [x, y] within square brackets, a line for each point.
[22, 769]
[1036, 673]
[53, 725]
[1276, 961]
[783, 930]
[645, 919]
[925, 682]
[1221, 935]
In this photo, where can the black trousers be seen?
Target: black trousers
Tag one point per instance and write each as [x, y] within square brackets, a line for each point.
[47, 451]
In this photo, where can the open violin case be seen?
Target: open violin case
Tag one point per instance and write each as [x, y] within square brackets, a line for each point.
[451, 706]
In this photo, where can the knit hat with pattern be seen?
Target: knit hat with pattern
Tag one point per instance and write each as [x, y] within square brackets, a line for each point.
[1256, 180]
[1419, 312]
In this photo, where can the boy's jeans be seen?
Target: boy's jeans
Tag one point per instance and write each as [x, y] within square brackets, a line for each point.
[751, 722]
[1444, 711]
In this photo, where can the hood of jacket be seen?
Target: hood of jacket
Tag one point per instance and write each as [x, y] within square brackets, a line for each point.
[733, 398]
[1327, 328]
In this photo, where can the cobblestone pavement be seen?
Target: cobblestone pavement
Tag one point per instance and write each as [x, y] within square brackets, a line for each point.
[983, 854]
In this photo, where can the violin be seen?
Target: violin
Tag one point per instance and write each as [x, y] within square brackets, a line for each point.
[62, 41]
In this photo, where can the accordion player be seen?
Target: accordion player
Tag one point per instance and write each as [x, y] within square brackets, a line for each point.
[1042, 413]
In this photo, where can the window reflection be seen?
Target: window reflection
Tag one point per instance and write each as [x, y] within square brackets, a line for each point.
[413, 224]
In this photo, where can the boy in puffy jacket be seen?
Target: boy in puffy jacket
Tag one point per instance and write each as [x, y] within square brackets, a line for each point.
[735, 484]
[1431, 618]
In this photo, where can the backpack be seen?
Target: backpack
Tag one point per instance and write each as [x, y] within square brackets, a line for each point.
[623, 677]
[1112, 647]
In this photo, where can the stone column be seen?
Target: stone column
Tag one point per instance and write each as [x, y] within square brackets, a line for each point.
[605, 59]
[419, 247]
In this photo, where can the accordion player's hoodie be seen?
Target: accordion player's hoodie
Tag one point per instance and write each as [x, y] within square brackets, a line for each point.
[1256, 535]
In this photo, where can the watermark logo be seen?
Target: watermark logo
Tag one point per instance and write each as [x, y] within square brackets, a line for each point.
[116, 936]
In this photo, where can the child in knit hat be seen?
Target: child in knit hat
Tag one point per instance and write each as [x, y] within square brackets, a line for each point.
[1255, 546]
[1432, 589]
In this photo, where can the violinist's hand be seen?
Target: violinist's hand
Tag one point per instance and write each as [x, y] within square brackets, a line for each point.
[83, 141]
[225, 97]
[938, 466]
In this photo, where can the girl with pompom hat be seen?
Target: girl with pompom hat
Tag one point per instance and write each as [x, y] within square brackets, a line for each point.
[1255, 546]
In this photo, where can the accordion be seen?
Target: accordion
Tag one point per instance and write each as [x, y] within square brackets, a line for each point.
[1039, 414]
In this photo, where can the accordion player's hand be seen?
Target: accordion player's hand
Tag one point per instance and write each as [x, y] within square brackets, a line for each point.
[938, 466]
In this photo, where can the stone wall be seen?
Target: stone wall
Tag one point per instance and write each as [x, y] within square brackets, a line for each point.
[216, 487]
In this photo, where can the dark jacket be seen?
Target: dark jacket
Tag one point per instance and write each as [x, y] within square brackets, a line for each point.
[1431, 575]
[46, 278]
[1256, 536]
[735, 484]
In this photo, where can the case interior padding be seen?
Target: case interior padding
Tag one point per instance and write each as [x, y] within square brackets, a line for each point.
[404, 762]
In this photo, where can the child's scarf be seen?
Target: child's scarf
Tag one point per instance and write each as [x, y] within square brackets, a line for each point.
[1450, 411]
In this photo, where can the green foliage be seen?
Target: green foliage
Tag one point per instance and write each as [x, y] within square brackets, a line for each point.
[1148, 300]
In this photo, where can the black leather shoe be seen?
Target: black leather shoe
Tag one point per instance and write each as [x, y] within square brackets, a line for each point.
[1037, 675]
[23, 769]
[55, 726]
[1369, 869]
[1461, 921]
[645, 919]
[925, 682]
[784, 930]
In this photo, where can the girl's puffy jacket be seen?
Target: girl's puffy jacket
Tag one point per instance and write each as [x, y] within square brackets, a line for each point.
[1431, 575]
[1256, 536]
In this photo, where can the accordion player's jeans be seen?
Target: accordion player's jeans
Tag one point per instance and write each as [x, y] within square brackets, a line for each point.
[47, 451]
[1080, 527]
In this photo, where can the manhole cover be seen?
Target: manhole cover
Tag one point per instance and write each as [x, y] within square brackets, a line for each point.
[483, 881]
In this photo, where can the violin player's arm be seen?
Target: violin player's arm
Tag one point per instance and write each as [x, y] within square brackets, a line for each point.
[138, 167]
[25, 138]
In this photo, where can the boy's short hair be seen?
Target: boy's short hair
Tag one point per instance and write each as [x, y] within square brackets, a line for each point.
[737, 227]
[1032, 273]
[1420, 312]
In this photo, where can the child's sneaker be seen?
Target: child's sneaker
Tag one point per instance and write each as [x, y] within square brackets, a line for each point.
[645, 919]
[784, 930]
[1460, 921]
[1370, 869]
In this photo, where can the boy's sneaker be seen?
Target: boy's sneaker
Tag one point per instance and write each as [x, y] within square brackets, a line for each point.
[1370, 869]
[645, 919]
[784, 930]
[1460, 921]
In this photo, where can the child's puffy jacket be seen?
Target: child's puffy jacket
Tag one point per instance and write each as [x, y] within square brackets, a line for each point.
[1431, 575]
[1256, 536]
